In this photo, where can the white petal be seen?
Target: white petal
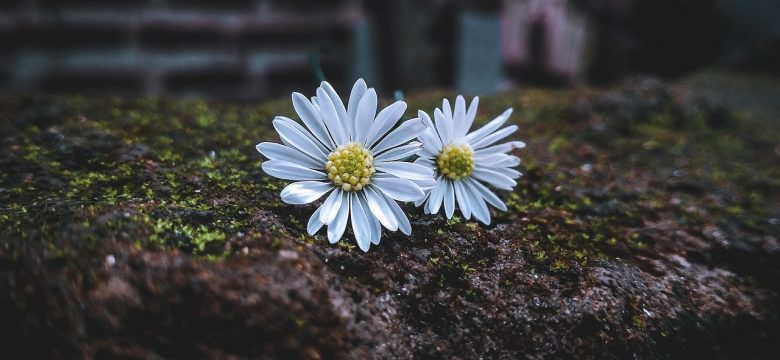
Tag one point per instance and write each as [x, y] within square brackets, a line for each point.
[500, 148]
[331, 207]
[447, 111]
[422, 200]
[398, 189]
[381, 175]
[437, 195]
[360, 225]
[471, 114]
[401, 152]
[422, 184]
[494, 179]
[510, 173]
[298, 137]
[316, 104]
[331, 118]
[289, 171]
[426, 184]
[489, 127]
[459, 118]
[497, 160]
[509, 161]
[304, 192]
[358, 90]
[442, 127]
[425, 118]
[312, 119]
[365, 115]
[449, 199]
[489, 158]
[376, 230]
[405, 170]
[492, 138]
[380, 209]
[488, 195]
[374, 225]
[274, 151]
[314, 224]
[403, 221]
[339, 224]
[430, 140]
[478, 207]
[408, 130]
[385, 120]
[463, 201]
[427, 154]
[430, 137]
[425, 162]
[338, 104]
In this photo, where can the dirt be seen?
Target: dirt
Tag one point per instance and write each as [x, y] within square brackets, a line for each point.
[646, 226]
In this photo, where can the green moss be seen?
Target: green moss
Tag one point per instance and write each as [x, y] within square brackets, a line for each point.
[454, 220]
[347, 245]
[558, 266]
[637, 321]
[557, 144]
[188, 175]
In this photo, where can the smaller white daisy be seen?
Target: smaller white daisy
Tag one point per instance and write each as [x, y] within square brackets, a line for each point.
[463, 161]
[354, 154]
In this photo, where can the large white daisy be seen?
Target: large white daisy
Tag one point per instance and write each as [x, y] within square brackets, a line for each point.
[352, 154]
[464, 162]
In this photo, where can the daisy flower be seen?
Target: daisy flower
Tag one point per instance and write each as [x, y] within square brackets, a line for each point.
[351, 153]
[466, 162]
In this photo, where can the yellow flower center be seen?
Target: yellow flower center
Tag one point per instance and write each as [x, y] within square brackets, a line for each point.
[350, 167]
[455, 161]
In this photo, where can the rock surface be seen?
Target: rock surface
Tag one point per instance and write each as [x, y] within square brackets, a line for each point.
[646, 226]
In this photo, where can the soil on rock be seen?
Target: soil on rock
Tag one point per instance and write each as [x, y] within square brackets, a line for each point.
[646, 225]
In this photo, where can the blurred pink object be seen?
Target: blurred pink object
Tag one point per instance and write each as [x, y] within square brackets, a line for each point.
[562, 30]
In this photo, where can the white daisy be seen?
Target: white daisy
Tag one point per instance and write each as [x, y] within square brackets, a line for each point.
[351, 153]
[464, 161]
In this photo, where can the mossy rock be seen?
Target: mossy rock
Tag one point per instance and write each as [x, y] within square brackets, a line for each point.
[646, 225]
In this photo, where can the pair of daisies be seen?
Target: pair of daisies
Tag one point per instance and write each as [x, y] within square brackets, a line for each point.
[362, 160]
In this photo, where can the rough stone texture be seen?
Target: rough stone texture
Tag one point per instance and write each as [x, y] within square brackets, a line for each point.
[645, 227]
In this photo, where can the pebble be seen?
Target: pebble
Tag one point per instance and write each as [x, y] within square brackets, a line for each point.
[110, 260]
[288, 254]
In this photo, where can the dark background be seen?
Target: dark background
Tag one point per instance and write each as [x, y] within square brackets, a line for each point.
[249, 50]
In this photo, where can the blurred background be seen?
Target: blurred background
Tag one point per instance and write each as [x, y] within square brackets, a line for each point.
[249, 50]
